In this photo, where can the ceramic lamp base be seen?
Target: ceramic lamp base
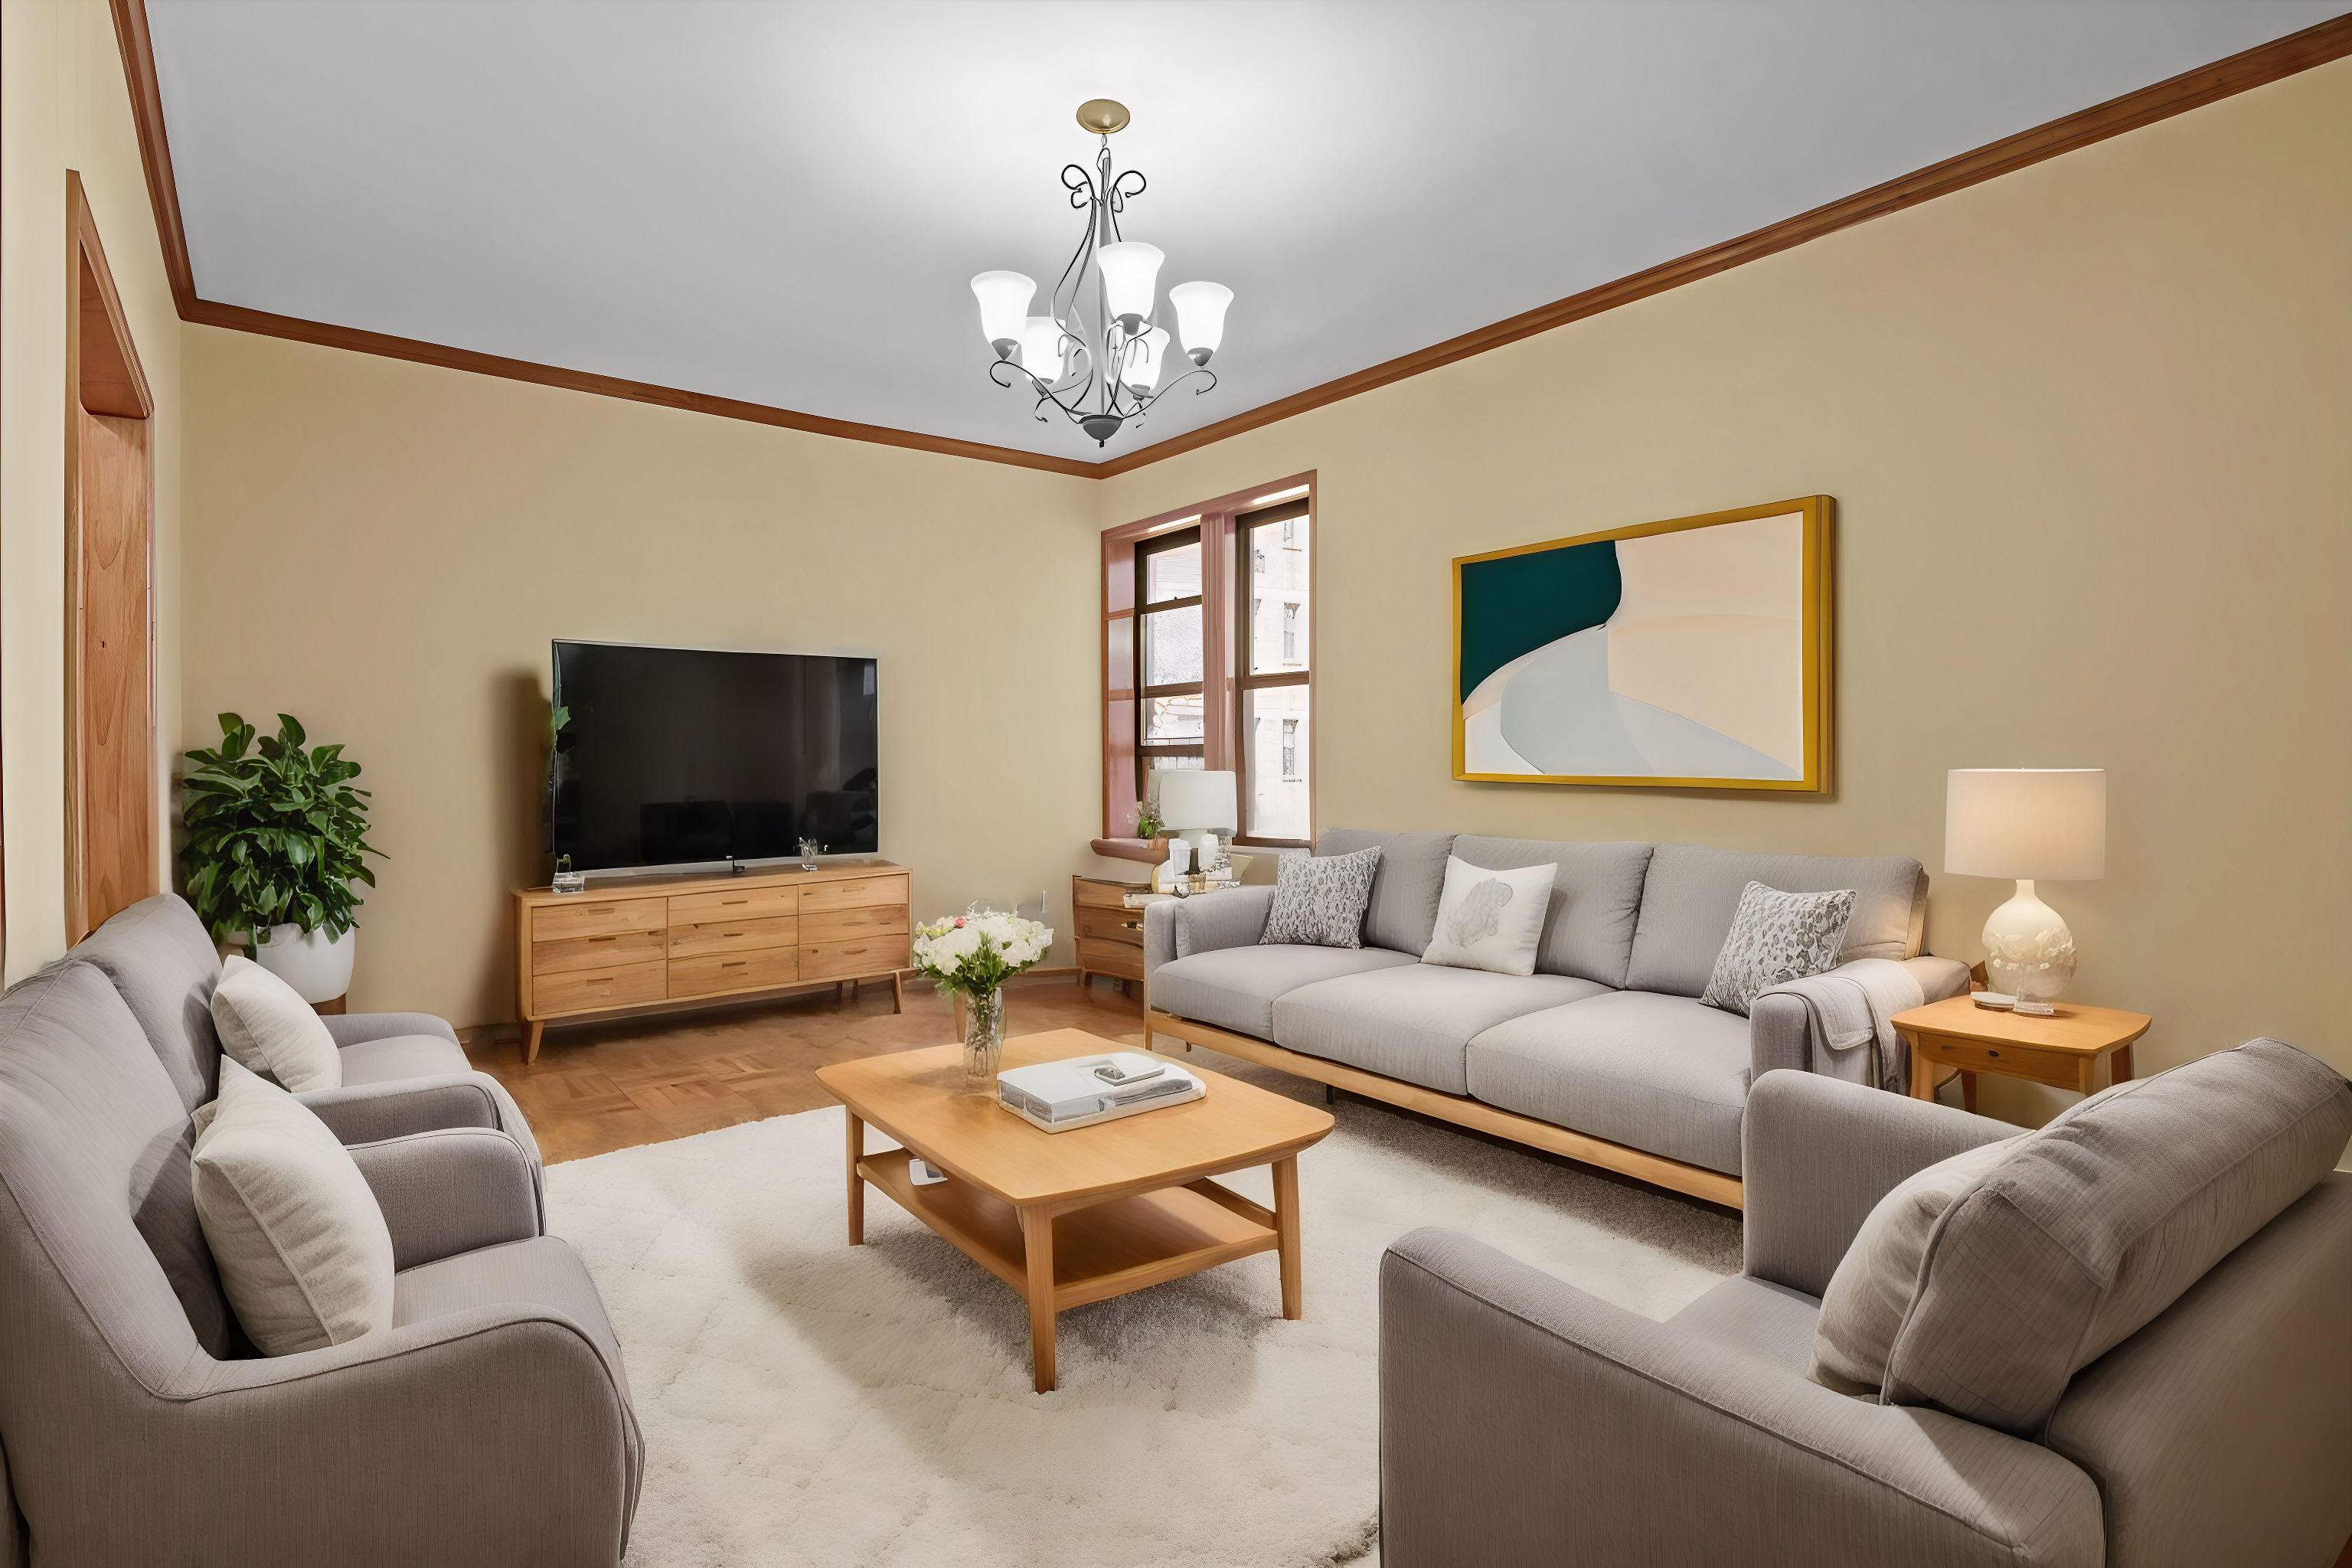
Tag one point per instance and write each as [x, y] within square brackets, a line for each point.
[2029, 951]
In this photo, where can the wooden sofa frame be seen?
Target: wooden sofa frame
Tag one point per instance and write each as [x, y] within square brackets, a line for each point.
[1463, 1111]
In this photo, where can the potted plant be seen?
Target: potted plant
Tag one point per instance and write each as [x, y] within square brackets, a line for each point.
[275, 835]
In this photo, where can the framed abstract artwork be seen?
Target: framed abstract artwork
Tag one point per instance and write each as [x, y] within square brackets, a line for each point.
[1691, 654]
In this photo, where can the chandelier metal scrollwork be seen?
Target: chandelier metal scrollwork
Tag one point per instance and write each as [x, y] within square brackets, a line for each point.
[1098, 355]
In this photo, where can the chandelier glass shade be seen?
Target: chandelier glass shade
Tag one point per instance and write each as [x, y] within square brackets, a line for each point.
[1099, 353]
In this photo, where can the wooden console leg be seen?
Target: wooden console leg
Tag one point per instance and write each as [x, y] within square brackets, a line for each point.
[898, 992]
[1038, 1235]
[530, 1045]
[857, 1130]
[1285, 1227]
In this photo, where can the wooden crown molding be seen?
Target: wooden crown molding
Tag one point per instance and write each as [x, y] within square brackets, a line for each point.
[2258, 66]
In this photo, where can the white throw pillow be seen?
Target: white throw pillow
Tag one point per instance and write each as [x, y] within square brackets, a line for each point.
[301, 1243]
[1871, 1292]
[1490, 919]
[265, 1023]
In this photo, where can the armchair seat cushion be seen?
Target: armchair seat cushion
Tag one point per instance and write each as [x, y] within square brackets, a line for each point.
[1662, 1073]
[399, 1056]
[1413, 1022]
[1235, 987]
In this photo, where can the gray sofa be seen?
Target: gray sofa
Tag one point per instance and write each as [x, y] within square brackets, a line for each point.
[491, 1425]
[1603, 1053]
[402, 1072]
[1524, 1422]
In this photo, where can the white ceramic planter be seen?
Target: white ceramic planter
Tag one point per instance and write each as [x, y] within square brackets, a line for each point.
[317, 966]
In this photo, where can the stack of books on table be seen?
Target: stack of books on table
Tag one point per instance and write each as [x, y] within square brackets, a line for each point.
[1058, 1095]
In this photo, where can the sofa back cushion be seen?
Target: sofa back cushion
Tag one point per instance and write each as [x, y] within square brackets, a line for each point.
[1402, 913]
[1691, 893]
[158, 956]
[2093, 1226]
[101, 1233]
[1596, 892]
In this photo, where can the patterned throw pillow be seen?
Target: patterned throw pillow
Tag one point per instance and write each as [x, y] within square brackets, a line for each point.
[1319, 900]
[1775, 938]
[1490, 919]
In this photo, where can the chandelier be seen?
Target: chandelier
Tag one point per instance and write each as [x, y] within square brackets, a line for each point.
[1096, 355]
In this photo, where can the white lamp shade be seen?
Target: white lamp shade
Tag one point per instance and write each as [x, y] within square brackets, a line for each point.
[1130, 274]
[2043, 824]
[1003, 303]
[1040, 348]
[1194, 797]
[1144, 358]
[1201, 313]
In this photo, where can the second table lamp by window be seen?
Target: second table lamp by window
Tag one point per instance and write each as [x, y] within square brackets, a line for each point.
[2032, 824]
[1195, 806]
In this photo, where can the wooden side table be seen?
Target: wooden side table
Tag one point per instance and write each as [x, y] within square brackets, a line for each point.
[1111, 936]
[2081, 1049]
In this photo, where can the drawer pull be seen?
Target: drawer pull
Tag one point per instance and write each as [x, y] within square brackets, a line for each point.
[735, 964]
[604, 939]
[1992, 1053]
[728, 903]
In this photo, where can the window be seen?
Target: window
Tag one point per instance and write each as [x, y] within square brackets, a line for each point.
[1208, 657]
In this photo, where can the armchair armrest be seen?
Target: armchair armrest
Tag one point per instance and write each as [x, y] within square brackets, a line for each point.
[1776, 1027]
[1817, 1154]
[371, 1112]
[1525, 1422]
[456, 1189]
[351, 1028]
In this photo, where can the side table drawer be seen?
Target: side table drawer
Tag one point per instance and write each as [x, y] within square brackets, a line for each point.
[839, 960]
[600, 917]
[588, 989]
[572, 953]
[2052, 1068]
[1114, 958]
[1122, 924]
[710, 974]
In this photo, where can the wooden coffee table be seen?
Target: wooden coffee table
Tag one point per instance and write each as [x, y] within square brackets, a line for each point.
[1067, 1218]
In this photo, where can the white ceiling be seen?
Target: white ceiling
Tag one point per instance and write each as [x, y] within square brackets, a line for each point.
[783, 202]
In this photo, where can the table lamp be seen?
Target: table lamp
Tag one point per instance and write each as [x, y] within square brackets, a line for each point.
[1195, 806]
[2032, 824]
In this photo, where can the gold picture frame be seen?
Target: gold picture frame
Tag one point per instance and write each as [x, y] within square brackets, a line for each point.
[1708, 660]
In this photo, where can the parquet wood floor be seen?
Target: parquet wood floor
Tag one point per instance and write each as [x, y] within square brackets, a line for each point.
[600, 1087]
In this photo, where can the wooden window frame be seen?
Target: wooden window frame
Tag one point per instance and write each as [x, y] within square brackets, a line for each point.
[1224, 631]
[1145, 747]
[1245, 594]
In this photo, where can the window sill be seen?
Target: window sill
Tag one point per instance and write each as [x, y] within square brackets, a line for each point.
[1153, 850]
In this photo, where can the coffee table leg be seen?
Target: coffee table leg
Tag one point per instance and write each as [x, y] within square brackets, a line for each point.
[1037, 1233]
[1285, 1228]
[856, 1181]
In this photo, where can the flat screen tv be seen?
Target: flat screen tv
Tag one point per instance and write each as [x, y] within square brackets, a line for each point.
[677, 756]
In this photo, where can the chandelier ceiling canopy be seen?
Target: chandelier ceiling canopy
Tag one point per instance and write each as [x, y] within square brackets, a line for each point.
[1098, 352]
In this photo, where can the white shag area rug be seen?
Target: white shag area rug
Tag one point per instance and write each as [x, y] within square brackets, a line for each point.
[807, 1402]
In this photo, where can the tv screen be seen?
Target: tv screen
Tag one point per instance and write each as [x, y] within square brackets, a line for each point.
[673, 756]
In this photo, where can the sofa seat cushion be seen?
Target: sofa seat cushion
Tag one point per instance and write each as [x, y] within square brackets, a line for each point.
[398, 1056]
[1413, 1023]
[1763, 1321]
[1235, 987]
[1667, 1074]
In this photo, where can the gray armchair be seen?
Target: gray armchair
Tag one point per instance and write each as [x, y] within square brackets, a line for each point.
[1523, 1421]
[402, 1072]
[490, 1425]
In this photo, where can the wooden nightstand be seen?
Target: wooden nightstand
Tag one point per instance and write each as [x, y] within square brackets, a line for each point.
[1111, 936]
[2081, 1049]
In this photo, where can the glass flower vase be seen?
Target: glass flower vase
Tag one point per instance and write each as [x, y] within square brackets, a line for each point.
[984, 1039]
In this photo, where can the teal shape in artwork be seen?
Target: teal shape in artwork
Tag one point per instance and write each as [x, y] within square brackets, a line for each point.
[1515, 605]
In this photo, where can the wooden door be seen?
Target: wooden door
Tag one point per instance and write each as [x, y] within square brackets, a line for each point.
[110, 762]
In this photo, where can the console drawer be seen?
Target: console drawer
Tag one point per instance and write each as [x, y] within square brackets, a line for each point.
[713, 973]
[732, 936]
[572, 953]
[733, 904]
[849, 925]
[586, 989]
[857, 893]
[597, 917]
[838, 960]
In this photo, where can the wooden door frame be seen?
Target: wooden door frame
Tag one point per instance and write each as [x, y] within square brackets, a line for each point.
[103, 376]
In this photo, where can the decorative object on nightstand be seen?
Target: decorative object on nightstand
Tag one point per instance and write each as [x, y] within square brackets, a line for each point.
[2030, 824]
[972, 955]
[2074, 1047]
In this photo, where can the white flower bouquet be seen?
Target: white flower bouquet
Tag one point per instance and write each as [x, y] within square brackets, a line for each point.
[976, 952]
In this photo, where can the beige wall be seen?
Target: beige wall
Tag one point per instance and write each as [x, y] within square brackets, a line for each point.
[2087, 428]
[64, 105]
[384, 550]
